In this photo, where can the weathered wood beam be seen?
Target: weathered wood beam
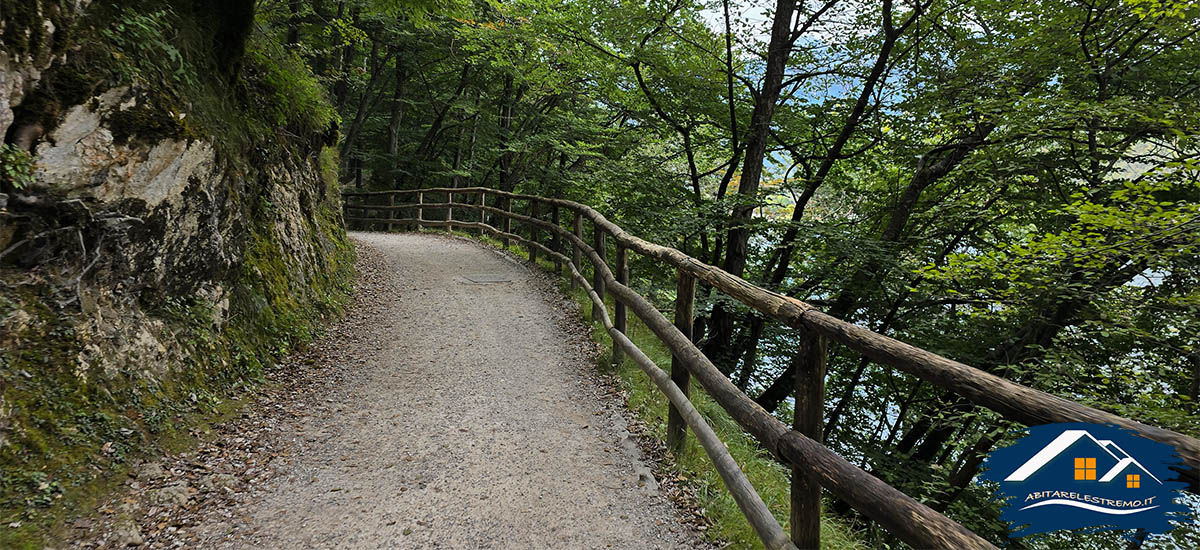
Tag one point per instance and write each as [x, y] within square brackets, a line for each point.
[685, 313]
[391, 213]
[808, 419]
[575, 257]
[556, 240]
[534, 207]
[599, 268]
[1012, 400]
[505, 220]
[751, 504]
[420, 210]
[619, 315]
[911, 521]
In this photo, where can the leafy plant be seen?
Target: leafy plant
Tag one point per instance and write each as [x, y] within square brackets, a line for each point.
[141, 44]
[288, 93]
[16, 166]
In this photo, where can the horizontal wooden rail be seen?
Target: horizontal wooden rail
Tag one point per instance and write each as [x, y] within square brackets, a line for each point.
[747, 499]
[865, 492]
[911, 521]
[1013, 401]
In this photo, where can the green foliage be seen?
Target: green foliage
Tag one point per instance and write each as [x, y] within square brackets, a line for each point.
[1016, 191]
[692, 467]
[284, 91]
[1161, 8]
[421, 11]
[143, 43]
[1131, 224]
[16, 167]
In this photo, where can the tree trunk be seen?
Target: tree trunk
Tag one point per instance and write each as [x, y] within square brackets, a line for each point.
[397, 114]
[505, 135]
[341, 88]
[904, 405]
[1195, 389]
[426, 149]
[720, 324]
[750, 355]
[779, 263]
[779, 389]
[847, 396]
[470, 159]
[293, 34]
[455, 180]
[364, 104]
[965, 473]
[758, 135]
[511, 95]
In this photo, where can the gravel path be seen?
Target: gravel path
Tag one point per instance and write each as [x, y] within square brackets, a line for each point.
[455, 407]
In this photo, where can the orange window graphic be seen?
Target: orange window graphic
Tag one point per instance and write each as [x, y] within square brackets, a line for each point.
[1085, 468]
[1133, 481]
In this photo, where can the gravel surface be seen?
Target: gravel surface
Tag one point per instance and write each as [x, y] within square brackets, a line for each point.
[456, 406]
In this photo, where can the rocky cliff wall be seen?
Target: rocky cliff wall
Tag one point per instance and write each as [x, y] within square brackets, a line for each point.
[166, 231]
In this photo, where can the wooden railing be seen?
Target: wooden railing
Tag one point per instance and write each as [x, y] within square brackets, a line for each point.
[814, 466]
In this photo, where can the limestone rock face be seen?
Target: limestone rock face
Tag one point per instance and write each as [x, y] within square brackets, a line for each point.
[81, 159]
[129, 225]
[149, 266]
[14, 78]
[21, 68]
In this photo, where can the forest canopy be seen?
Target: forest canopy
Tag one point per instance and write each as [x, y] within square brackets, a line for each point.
[1010, 184]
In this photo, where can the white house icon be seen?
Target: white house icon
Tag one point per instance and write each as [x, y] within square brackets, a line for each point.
[1065, 440]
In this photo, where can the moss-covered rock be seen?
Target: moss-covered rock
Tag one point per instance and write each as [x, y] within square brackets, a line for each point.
[173, 243]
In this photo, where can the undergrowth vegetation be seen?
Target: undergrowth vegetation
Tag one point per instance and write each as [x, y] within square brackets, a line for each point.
[16, 166]
[166, 54]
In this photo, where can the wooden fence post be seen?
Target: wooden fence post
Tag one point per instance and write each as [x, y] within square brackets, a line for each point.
[619, 315]
[408, 214]
[482, 221]
[449, 212]
[505, 222]
[420, 210]
[555, 241]
[685, 311]
[470, 200]
[808, 419]
[391, 213]
[597, 277]
[534, 207]
[575, 252]
[383, 224]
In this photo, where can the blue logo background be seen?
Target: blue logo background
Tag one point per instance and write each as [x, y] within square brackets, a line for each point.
[1048, 485]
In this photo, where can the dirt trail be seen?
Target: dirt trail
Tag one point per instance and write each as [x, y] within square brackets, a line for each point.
[462, 411]
[472, 426]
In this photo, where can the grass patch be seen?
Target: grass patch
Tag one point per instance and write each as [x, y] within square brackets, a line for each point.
[771, 479]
